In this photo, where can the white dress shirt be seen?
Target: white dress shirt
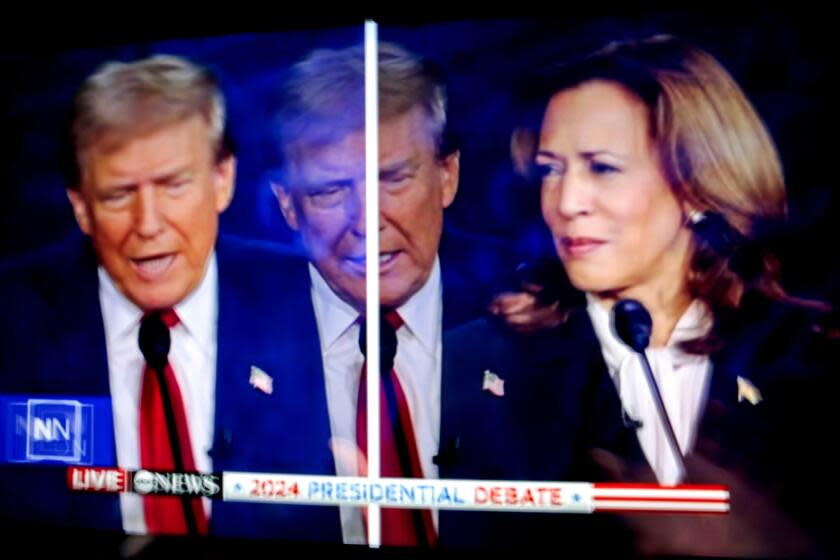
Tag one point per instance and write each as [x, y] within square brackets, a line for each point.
[683, 381]
[193, 360]
[418, 367]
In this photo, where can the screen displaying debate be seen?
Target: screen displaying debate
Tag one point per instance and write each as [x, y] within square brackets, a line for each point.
[184, 311]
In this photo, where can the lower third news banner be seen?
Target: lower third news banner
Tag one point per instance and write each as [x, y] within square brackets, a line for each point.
[520, 496]
[99, 479]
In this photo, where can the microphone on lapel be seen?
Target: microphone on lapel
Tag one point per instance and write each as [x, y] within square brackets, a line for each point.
[222, 444]
[633, 325]
[448, 453]
[630, 422]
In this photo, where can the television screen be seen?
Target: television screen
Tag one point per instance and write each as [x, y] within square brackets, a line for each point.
[604, 316]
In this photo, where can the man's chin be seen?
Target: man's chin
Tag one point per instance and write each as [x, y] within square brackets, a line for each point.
[391, 295]
[155, 300]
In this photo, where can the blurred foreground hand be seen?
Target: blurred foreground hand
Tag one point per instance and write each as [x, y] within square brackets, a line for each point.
[754, 527]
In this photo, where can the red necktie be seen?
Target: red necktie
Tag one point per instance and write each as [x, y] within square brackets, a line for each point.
[166, 514]
[398, 453]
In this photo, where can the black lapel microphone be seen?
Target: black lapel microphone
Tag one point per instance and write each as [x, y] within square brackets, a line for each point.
[154, 343]
[634, 326]
[448, 453]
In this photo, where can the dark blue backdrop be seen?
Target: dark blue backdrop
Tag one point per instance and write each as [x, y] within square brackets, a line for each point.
[783, 60]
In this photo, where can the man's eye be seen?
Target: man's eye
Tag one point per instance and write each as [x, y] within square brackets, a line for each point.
[395, 178]
[601, 168]
[546, 170]
[328, 196]
[177, 184]
[117, 197]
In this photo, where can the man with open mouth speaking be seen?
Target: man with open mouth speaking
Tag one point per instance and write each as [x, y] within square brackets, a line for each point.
[179, 327]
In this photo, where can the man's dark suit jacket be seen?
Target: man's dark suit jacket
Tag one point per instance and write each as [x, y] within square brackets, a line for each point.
[52, 342]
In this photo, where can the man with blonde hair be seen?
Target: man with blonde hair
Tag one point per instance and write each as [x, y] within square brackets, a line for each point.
[439, 419]
[180, 328]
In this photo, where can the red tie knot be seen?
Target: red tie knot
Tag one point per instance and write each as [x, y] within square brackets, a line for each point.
[394, 319]
[168, 316]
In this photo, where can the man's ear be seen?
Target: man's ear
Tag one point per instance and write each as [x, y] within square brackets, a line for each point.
[287, 205]
[80, 209]
[523, 146]
[450, 169]
[224, 180]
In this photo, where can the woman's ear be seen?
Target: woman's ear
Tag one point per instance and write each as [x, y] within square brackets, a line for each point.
[693, 216]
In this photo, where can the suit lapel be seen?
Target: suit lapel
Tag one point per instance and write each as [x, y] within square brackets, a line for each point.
[261, 326]
[74, 359]
[558, 402]
[474, 268]
[732, 429]
[266, 321]
[560, 371]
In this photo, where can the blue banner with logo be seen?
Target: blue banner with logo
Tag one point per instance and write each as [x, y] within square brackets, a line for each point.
[56, 430]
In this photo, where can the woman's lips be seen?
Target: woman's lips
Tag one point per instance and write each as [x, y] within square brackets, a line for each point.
[580, 246]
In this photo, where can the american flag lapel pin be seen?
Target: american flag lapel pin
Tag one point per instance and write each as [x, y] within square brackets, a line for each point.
[261, 381]
[748, 391]
[493, 383]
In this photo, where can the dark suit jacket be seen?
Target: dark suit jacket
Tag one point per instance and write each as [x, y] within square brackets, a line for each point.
[52, 342]
[784, 352]
[558, 403]
[559, 400]
[474, 268]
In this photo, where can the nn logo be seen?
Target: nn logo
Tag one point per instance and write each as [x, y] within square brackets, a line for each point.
[53, 430]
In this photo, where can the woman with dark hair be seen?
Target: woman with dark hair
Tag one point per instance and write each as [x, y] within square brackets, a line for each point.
[660, 184]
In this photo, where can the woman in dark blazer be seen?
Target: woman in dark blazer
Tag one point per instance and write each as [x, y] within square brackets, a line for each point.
[661, 184]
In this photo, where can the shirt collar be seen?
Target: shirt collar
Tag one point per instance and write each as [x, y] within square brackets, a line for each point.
[694, 322]
[334, 314]
[197, 312]
[119, 314]
[423, 311]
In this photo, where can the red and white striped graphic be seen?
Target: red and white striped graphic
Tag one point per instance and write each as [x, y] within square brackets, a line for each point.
[683, 498]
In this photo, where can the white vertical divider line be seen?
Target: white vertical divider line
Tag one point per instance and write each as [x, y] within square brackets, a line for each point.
[372, 268]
